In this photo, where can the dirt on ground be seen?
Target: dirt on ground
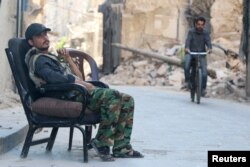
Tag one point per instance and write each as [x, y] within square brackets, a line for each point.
[9, 99]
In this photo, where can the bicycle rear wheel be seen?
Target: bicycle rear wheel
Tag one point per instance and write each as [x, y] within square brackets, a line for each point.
[198, 86]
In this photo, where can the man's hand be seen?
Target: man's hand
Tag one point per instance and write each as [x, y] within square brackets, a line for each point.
[63, 53]
[209, 51]
[187, 50]
[87, 85]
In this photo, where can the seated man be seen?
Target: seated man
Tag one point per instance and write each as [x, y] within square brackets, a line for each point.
[116, 109]
[197, 41]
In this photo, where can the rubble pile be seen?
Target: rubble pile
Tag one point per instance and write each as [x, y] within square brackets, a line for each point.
[230, 81]
[142, 71]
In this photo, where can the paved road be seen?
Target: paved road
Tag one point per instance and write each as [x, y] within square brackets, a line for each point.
[169, 129]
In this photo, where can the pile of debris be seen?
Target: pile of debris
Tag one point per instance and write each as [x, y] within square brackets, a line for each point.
[231, 78]
[141, 71]
[227, 82]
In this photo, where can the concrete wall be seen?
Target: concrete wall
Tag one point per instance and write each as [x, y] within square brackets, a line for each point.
[77, 20]
[7, 31]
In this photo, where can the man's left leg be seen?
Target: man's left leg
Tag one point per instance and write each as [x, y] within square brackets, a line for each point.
[187, 63]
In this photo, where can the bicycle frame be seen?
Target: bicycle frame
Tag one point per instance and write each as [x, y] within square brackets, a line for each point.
[197, 58]
[196, 75]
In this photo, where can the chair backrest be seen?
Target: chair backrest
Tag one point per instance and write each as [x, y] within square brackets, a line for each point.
[81, 56]
[17, 48]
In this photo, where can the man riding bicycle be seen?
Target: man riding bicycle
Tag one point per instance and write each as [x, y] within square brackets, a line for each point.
[197, 41]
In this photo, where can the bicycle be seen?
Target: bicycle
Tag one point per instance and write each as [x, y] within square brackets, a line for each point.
[196, 76]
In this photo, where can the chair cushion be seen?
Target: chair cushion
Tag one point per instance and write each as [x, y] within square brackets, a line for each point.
[56, 107]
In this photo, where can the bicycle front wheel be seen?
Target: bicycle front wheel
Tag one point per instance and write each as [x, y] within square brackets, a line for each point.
[192, 84]
[198, 86]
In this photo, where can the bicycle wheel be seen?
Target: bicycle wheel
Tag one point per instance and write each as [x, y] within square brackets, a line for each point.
[198, 86]
[192, 93]
[192, 84]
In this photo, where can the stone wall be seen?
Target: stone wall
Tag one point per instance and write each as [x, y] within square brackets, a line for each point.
[156, 23]
[165, 22]
[7, 31]
[226, 20]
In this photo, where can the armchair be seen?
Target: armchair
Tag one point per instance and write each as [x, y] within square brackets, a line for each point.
[39, 113]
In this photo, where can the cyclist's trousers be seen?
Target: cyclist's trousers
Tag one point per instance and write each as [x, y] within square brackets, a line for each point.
[203, 62]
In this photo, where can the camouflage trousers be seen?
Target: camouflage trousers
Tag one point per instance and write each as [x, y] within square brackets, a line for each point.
[117, 110]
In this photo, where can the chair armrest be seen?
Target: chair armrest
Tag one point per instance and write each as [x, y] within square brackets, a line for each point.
[89, 59]
[68, 87]
[98, 84]
[65, 87]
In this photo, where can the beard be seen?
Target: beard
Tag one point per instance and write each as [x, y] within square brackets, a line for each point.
[46, 48]
[199, 29]
[43, 49]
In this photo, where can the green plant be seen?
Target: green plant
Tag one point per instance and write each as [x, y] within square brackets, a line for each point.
[61, 43]
[181, 54]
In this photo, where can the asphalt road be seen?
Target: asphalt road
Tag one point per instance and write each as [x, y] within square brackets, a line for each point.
[168, 129]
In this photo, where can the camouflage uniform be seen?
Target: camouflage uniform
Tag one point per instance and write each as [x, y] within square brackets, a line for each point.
[117, 110]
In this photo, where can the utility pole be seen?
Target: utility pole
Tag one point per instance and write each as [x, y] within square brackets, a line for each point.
[112, 27]
[247, 26]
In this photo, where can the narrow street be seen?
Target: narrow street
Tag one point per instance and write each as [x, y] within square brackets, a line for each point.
[169, 130]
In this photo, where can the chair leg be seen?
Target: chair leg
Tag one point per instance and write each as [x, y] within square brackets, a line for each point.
[88, 130]
[52, 139]
[70, 138]
[28, 141]
[85, 149]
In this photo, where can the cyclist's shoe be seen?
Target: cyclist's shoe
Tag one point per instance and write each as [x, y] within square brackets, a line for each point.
[186, 86]
[204, 93]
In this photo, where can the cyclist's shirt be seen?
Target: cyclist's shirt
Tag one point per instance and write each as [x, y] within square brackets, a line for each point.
[198, 41]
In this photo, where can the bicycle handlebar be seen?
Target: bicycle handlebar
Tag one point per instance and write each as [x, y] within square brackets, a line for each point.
[198, 53]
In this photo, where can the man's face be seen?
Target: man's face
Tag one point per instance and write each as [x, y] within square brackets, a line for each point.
[199, 25]
[41, 41]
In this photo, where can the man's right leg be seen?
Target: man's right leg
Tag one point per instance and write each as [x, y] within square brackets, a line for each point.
[187, 63]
